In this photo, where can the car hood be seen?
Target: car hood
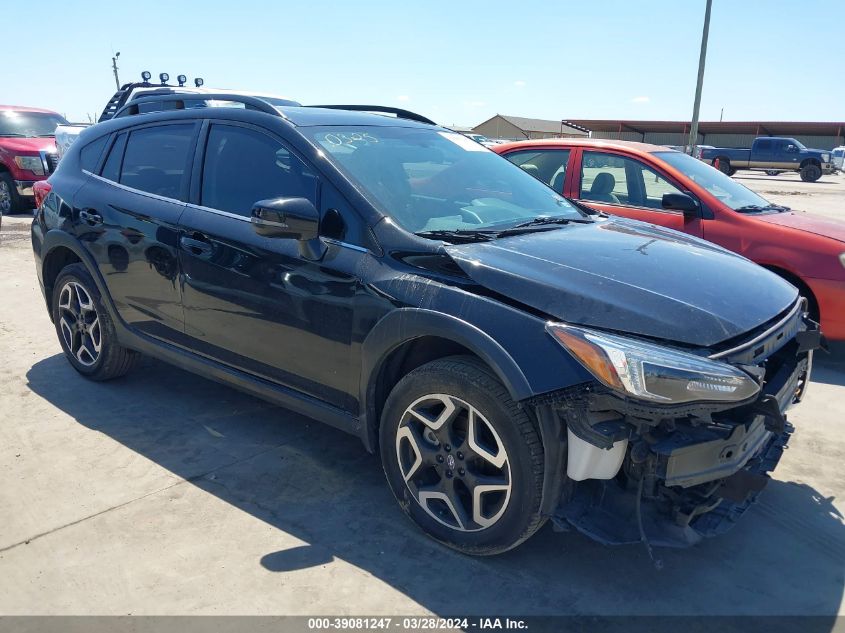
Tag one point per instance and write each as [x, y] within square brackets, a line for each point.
[29, 145]
[629, 276]
[811, 224]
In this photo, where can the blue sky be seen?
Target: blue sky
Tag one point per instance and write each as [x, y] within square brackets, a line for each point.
[457, 62]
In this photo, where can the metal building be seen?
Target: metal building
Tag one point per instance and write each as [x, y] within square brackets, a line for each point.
[818, 135]
[517, 128]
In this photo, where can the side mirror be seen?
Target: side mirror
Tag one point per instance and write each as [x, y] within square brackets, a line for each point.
[290, 218]
[791, 148]
[681, 202]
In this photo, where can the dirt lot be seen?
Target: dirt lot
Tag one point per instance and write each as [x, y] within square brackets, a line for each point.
[163, 493]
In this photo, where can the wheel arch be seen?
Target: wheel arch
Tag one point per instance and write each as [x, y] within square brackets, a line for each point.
[410, 337]
[57, 251]
[803, 288]
[811, 161]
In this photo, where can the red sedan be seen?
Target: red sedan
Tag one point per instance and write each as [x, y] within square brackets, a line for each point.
[662, 186]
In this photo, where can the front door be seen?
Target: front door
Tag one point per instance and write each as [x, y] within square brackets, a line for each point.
[619, 185]
[253, 302]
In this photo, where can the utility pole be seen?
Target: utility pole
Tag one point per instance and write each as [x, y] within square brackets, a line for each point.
[693, 133]
[722, 114]
[114, 68]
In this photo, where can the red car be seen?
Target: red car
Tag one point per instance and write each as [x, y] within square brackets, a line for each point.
[662, 186]
[27, 153]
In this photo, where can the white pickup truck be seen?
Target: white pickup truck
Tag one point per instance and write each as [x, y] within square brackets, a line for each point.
[67, 134]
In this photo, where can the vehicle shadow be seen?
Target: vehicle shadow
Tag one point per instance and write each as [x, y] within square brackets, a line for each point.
[829, 367]
[318, 484]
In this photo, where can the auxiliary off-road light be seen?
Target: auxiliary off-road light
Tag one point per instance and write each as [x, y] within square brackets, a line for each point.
[146, 75]
[164, 77]
[653, 372]
[198, 82]
[181, 79]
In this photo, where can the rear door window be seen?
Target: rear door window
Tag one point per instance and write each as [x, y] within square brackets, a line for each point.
[156, 160]
[548, 165]
[243, 166]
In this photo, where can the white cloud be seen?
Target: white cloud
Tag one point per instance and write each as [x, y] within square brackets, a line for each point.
[640, 100]
[403, 98]
[519, 83]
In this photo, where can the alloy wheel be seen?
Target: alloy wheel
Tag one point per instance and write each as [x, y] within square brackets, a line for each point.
[79, 323]
[453, 462]
[5, 197]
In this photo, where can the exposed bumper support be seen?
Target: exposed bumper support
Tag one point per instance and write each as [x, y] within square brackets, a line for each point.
[688, 472]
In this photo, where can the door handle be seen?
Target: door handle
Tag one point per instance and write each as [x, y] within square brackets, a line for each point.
[195, 246]
[90, 218]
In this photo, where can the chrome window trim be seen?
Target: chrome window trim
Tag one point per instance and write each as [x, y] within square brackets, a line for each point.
[225, 214]
[132, 190]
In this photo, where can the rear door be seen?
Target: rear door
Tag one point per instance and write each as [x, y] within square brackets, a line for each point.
[621, 185]
[253, 302]
[763, 154]
[127, 216]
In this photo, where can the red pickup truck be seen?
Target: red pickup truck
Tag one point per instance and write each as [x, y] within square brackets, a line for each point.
[662, 186]
[27, 153]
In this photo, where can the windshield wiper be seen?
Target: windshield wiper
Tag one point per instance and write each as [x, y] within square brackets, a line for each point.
[459, 235]
[545, 219]
[13, 134]
[756, 208]
[541, 223]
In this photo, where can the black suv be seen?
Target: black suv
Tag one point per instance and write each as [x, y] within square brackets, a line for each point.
[510, 356]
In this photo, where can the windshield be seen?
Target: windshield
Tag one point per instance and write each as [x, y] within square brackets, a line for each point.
[435, 180]
[723, 187]
[29, 124]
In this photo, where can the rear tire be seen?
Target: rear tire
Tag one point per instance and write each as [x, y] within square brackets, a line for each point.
[448, 429]
[811, 172]
[725, 166]
[86, 332]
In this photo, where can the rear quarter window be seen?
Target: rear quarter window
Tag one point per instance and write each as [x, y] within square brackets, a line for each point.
[89, 156]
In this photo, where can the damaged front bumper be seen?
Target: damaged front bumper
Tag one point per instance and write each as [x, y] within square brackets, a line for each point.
[672, 476]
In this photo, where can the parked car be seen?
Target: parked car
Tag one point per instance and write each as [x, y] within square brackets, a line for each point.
[27, 153]
[509, 356]
[770, 153]
[67, 133]
[480, 138]
[838, 157]
[676, 191]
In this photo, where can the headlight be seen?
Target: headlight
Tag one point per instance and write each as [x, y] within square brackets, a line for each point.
[652, 372]
[30, 163]
[825, 158]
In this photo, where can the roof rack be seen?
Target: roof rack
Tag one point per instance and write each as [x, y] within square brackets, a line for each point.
[399, 112]
[179, 99]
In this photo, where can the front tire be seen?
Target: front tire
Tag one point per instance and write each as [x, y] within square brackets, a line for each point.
[86, 332]
[811, 173]
[10, 201]
[462, 459]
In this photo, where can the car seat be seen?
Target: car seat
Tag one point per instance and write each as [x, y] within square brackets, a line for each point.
[602, 188]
